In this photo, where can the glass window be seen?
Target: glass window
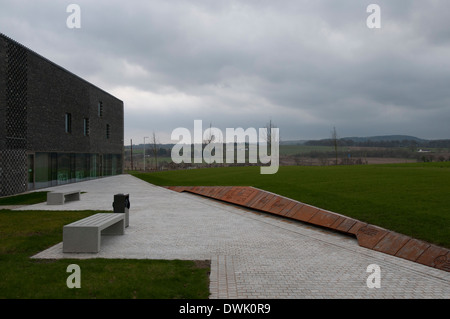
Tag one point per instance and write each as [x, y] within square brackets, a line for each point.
[100, 108]
[81, 167]
[63, 168]
[53, 175]
[42, 174]
[51, 169]
[94, 165]
[68, 123]
[117, 164]
[86, 126]
[30, 171]
[107, 164]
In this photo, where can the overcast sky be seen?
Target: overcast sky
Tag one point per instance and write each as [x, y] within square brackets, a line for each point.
[307, 66]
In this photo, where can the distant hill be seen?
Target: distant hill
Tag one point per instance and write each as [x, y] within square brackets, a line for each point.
[374, 141]
[383, 141]
[293, 142]
[358, 139]
[384, 138]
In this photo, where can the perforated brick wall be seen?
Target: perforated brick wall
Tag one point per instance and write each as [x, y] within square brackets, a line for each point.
[13, 171]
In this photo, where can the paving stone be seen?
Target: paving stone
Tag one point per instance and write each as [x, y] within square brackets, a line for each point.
[324, 218]
[435, 256]
[344, 224]
[291, 210]
[368, 236]
[305, 213]
[391, 243]
[241, 195]
[281, 206]
[262, 201]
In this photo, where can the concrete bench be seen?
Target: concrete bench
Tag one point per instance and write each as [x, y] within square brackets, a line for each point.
[84, 236]
[59, 198]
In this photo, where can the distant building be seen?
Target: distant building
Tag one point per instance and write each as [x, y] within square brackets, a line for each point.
[55, 128]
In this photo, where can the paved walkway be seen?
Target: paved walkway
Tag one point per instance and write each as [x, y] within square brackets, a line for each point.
[253, 255]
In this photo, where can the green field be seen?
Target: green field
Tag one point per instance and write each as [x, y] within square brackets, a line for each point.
[412, 199]
[24, 199]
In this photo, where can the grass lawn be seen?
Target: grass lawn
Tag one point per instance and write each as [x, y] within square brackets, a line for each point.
[412, 199]
[25, 233]
[24, 199]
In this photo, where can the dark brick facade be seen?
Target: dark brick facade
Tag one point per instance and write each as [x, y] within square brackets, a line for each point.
[2, 107]
[35, 96]
[2, 95]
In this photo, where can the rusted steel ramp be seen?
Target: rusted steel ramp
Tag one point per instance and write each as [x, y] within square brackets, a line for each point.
[368, 236]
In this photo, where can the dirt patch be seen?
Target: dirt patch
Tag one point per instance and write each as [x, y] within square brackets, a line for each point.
[381, 160]
[10, 206]
[202, 263]
[308, 161]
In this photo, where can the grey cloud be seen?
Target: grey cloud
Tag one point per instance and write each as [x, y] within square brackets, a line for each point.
[308, 65]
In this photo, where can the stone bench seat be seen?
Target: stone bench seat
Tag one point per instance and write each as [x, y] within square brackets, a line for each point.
[60, 198]
[84, 236]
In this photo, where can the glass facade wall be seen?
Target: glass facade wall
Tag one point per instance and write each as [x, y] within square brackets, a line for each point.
[51, 169]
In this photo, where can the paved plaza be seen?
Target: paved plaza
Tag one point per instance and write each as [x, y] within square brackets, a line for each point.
[253, 255]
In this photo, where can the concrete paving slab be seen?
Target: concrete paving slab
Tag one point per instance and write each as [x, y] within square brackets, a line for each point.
[253, 254]
[369, 236]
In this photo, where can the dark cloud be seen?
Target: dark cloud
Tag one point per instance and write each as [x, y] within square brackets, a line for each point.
[307, 65]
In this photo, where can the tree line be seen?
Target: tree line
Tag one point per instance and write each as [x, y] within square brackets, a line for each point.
[387, 144]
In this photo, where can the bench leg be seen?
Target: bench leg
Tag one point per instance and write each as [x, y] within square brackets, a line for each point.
[81, 240]
[115, 229]
[55, 199]
[72, 197]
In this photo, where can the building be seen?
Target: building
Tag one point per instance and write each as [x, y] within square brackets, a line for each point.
[55, 128]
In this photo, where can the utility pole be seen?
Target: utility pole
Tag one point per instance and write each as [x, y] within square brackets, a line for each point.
[131, 141]
[155, 149]
[334, 138]
[144, 151]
